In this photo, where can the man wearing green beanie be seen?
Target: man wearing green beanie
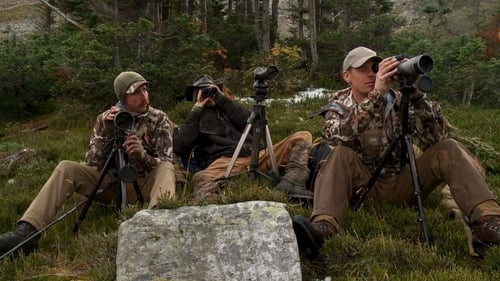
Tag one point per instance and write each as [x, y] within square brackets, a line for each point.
[145, 135]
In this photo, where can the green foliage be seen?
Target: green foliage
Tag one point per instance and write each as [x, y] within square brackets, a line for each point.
[68, 66]
[373, 33]
[25, 83]
[460, 67]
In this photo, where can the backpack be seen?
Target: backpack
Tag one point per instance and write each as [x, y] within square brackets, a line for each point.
[319, 153]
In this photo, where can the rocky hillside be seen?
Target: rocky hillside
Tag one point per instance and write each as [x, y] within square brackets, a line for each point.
[18, 17]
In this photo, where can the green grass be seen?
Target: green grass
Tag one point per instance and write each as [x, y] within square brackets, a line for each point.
[379, 242]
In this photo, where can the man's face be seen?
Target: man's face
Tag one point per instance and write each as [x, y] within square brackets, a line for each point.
[138, 101]
[361, 79]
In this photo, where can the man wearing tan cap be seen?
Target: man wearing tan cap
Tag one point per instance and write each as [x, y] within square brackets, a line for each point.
[361, 126]
[146, 142]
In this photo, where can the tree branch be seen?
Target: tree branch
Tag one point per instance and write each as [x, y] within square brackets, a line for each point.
[62, 14]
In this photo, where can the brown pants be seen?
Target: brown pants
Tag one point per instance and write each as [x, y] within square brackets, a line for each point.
[447, 161]
[217, 169]
[69, 177]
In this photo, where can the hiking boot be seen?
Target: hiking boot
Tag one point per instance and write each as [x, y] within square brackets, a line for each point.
[293, 182]
[11, 239]
[295, 192]
[311, 236]
[208, 191]
[485, 233]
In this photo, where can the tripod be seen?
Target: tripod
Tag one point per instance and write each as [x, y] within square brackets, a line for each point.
[122, 173]
[260, 130]
[407, 152]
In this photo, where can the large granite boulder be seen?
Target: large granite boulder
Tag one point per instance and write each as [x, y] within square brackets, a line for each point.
[243, 241]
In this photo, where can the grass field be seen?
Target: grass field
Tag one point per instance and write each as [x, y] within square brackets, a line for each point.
[379, 242]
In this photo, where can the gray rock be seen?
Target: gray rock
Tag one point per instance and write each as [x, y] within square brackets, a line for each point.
[243, 241]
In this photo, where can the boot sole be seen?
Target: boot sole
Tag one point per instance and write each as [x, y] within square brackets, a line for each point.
[305, 238]
[480, 247]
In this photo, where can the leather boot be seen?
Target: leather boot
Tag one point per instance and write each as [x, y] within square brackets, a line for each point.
[311, 235]
[293, 182]
[11, 239]
[485, 233]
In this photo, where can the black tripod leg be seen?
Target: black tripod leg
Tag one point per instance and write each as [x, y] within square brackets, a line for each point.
[121, 196]
[416, 188]
[375, 175]
[237, 151]
[138, 192]
[257, 137]
[91, 197]
[41, 230]
[121, 202]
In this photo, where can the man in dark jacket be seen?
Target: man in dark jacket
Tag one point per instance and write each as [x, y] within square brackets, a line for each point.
[211, 133]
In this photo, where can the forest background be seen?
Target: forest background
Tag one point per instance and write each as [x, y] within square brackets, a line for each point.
[58, 76]
[73, 59]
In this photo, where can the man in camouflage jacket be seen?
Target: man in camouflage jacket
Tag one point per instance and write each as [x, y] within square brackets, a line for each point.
[362, 122]
[147, 144]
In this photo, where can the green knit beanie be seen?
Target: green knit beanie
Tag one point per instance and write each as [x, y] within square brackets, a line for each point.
[124, 80]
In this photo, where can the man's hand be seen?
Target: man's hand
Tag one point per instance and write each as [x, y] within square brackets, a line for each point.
[133, 147]
[110, 115]
[387, 74]
[201, 101]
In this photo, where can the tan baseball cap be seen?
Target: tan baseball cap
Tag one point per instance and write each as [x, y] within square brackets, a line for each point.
[358, 56]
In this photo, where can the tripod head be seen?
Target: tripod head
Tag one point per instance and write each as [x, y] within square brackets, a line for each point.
[260, 75]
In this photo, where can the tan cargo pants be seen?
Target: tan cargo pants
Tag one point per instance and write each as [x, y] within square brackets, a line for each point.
[70, 177]
[217, 169]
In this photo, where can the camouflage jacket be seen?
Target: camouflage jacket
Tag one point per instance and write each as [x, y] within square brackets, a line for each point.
[369, 127]
[153, 128]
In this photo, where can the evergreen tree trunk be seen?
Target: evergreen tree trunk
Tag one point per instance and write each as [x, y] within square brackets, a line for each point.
[183, 6]
[317, 16]
[266, 28]
[300, 19]
[116, 54]
[257, 24]
[274, 21]
[300, 29]
[229, 7]
[252, 10]
[203, 15]
[312, 37]
[468, 94]
[190, 8]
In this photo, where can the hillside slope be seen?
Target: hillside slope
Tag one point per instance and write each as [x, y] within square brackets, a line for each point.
[18, 17]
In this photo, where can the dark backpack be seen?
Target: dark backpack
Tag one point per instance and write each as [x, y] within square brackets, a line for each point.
[318, 155]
